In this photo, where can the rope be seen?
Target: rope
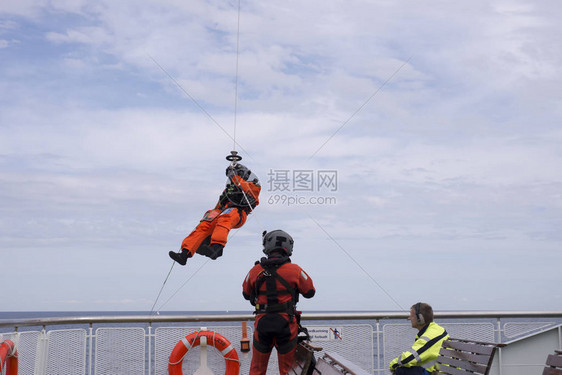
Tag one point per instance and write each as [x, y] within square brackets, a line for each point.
[188, 349]
[249, 205]
[162, 288]
[177, 291]
[212, 344]
[199, 269]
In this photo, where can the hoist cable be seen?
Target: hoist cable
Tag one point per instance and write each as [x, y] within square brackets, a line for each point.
[224, 131]
[199, 105]
[360, 107]
[356, 263]
[236, 78]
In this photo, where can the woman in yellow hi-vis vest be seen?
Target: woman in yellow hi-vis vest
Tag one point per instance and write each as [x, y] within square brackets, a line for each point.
[420, 359]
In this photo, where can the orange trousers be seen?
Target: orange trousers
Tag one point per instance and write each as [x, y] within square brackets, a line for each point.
[216, 224]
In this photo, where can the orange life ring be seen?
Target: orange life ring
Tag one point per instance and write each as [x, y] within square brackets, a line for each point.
[9, 355]
[214, 339]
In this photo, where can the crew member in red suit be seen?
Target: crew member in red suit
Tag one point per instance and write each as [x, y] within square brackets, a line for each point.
[273, 286]
[237, 200]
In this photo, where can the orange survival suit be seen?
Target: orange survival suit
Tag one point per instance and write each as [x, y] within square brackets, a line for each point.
[273, 286]
[237, 200]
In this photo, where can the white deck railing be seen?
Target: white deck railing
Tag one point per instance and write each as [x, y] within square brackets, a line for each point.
[141, 344]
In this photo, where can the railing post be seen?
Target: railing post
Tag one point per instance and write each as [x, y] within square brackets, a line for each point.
[377, 325]
[42, 348]
[499, 341]
[91, 350]
[149, 349]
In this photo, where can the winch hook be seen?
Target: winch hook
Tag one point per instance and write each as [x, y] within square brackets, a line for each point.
[233, 158]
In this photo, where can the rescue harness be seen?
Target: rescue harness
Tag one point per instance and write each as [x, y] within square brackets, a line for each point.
[269, 276]
[233, 193]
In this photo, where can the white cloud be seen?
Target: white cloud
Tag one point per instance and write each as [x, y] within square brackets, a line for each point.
[87, 35]
[101, 150]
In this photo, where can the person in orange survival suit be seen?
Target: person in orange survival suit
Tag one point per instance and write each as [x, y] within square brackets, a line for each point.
[237, 200]
[273, 286]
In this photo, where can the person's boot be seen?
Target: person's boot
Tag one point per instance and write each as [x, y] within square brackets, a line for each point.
[204, 247]
[215, 250]
[180, 257]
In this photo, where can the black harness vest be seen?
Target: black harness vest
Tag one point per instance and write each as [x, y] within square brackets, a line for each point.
[269, 276]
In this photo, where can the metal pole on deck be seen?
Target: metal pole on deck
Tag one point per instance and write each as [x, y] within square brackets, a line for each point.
[91, 349]
[499, 341]
[42, 347]
[149, 348]
[378, 347]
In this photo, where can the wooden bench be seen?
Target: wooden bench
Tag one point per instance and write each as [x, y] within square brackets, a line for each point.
[456, 357]
[462, 357]
[334, 364]
[553, 364]
[329, 364]
[304, 359]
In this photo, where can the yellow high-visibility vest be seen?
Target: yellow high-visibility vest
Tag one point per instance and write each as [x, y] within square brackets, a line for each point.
[425, 349]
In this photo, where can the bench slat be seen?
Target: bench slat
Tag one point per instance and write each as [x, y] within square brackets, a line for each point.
[474, 367]
[469, 347]
[464, 357]
[552, 371]
[554, 360]
[445, 370]
[478, 358]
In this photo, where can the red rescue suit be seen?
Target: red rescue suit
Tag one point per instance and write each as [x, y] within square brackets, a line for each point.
[236, 201]
[273, 286]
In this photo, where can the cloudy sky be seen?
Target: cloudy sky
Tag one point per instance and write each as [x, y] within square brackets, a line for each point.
[431, 131]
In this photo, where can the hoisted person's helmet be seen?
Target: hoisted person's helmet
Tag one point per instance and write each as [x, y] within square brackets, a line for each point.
[242, 171]
[277, 240]
[239, 170]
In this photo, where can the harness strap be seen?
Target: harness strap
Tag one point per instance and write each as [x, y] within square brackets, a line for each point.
[285, 283]
[287, 307]
[264, 292]
[269, 276]
[241, 215]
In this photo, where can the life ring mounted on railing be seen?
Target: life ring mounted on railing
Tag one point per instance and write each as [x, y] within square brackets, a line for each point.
[8, 356]
[204, 338]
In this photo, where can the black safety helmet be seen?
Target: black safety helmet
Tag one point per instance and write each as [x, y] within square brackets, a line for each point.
[277, 240]
[242, 171]
[239, 170]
